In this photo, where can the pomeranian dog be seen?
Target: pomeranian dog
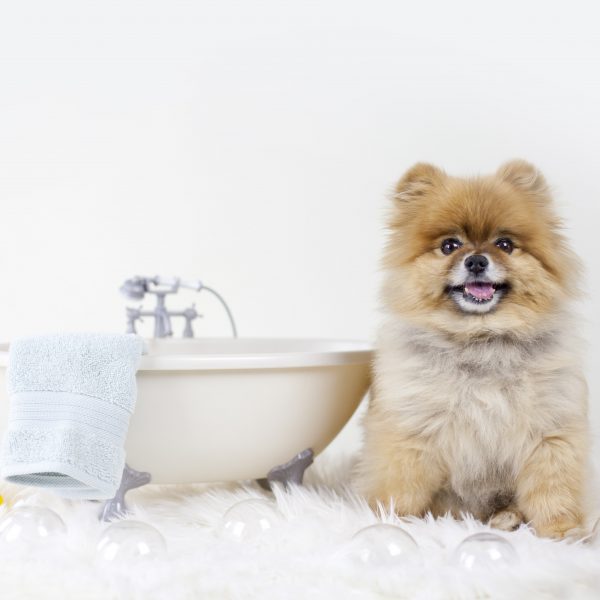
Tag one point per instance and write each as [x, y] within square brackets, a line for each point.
[478, 403]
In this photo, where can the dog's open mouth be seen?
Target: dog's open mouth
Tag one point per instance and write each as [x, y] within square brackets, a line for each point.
[480, 292]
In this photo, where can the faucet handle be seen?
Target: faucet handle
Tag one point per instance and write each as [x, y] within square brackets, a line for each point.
[190, 314]
[133, 315]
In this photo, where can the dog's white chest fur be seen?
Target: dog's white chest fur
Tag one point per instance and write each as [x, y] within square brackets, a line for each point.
[483, 436]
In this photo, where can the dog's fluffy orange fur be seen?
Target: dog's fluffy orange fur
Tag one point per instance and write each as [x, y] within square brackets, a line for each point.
[478, 403]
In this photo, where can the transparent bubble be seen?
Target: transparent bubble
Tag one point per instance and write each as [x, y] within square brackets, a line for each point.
[27, 526]
[131, 540]
[383, 545]
[249, 519]
[484, 550]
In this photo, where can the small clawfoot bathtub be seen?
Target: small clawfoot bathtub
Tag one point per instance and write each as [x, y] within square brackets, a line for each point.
[230, 409]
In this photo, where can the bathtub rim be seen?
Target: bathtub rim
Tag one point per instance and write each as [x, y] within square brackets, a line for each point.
[327, 353]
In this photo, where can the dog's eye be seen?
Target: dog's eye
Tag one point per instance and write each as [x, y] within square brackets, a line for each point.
[450, 245]
[505, 244]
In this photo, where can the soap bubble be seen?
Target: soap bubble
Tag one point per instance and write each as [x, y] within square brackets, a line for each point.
[131, 540]
[249, 519]
[28, 526]
[484, 550]
[383, 545]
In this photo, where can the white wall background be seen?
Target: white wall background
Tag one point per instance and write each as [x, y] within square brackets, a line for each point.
[252, 144]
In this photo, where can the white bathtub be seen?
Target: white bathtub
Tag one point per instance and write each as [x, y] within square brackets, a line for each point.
[230, 409]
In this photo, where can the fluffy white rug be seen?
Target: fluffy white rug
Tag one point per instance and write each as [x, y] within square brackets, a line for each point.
[302, 556]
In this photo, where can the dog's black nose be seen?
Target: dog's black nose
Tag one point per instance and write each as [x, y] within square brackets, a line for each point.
[476, 263]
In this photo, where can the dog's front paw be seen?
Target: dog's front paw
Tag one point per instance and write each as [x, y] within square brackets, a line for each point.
[560, 528]
[506, 520]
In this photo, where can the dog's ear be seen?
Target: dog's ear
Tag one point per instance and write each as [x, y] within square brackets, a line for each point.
[417, 181]
[523, 176]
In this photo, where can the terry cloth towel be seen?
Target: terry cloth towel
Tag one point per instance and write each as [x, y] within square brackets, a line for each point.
[71, 398]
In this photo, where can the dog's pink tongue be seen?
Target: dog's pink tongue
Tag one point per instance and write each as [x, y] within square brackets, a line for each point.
[480, 290]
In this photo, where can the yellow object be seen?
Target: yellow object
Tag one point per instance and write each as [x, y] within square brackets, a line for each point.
[1, 500]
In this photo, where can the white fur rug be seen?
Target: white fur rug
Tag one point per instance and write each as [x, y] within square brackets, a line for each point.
[302, 557]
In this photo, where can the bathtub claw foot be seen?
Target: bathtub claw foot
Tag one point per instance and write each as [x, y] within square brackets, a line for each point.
[116, 508]
[291, 472]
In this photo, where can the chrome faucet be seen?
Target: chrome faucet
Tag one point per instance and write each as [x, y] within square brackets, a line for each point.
[137, 287]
